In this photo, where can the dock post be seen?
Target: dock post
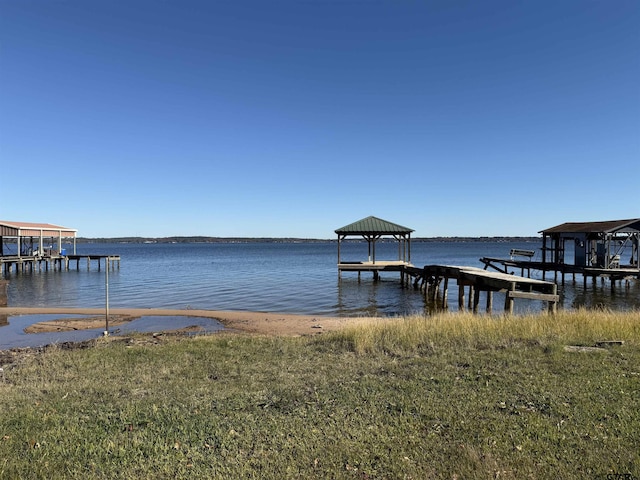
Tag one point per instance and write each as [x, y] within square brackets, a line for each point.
[489, 301]
[476, 300]
[508, 299]
[471, 294]
[461, 297]
[445, 293]
[553, 305]
[436, 287]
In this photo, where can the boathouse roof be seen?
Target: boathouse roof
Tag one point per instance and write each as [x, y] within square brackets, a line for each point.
[28, 229]
[609, 226]
[373, 225]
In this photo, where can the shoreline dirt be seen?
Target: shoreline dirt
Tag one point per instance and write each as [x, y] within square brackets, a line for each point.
[254, 323]
[261, 323]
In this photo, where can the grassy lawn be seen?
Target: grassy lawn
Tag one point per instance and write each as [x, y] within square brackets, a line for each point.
[450, 396]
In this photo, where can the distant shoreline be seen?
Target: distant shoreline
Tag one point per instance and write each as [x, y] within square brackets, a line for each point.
[205, 239]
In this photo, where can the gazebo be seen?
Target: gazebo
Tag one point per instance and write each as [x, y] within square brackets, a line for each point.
[373, 229]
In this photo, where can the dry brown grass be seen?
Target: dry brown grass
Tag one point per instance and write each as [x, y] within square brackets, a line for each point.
[420, 333]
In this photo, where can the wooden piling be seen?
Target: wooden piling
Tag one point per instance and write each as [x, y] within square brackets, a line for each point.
[489, 301]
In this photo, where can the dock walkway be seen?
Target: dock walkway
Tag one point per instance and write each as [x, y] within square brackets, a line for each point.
[429, 278]
[30, 263]
[622, 273]
[375, 267]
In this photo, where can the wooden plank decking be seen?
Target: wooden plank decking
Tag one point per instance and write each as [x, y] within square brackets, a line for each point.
[30, 263]
[379, 265]
[561, 269]
[429, 278]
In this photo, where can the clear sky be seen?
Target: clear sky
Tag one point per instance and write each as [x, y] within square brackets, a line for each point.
[294, 118]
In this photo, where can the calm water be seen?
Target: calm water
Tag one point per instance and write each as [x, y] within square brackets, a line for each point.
[274, 277]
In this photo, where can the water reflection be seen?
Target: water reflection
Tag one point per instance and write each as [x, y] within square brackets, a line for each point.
[385, 297]
[601, 294]
[388, 297]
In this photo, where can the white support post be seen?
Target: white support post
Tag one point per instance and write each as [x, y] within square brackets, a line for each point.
[106, 291]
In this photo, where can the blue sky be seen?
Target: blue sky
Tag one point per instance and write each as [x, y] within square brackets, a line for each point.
[294, 118]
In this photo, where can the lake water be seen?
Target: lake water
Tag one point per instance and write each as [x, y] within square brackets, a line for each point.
[276, 277]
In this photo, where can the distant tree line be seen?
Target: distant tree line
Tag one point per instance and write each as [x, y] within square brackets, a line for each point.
[205, 239]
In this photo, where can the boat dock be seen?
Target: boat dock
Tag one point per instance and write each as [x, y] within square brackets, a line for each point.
[472, 282]
[430, 278]
[374, 267]
[30, 247]
[31, 263]
[562, 270]
[477, 281]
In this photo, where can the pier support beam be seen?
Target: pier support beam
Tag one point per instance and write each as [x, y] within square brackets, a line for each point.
[445, 293]
[476, 300]
[461, 301]
[508, 299]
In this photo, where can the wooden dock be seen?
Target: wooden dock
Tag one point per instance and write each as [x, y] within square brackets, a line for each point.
[374, 267]
[620, 274]
[430, 278]
[21, 264]
[112, 261]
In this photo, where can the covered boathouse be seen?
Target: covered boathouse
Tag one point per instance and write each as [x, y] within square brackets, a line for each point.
[611, 244]
[605, 250]
[24, 239]
[25, 246]
[374, 229]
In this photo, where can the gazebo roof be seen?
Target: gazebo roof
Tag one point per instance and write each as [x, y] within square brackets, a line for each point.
[609, 226]
[373, 225]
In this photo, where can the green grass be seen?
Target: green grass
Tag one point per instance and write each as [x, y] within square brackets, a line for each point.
[451, 396]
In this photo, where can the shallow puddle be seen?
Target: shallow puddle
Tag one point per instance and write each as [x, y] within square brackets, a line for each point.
[12, 333]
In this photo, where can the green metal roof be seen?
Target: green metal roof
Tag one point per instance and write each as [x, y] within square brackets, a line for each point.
[373, 225]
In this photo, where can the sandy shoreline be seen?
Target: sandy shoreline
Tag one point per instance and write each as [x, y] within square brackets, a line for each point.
[249, 322]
